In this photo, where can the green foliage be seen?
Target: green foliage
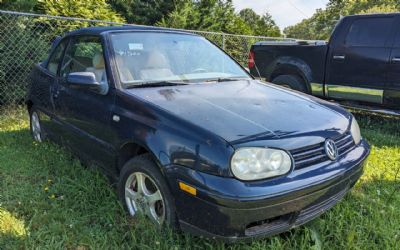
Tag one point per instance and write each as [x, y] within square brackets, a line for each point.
[143, 11]
[20, 49]
[48, 200]
[24, 41]
[219, 16]
[88, 9]
[18, 5]
[208, 15]
[260, 25]
[370, 6]
[88, 49]
[321, 24]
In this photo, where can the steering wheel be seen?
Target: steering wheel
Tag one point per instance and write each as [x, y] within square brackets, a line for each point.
[199, 70]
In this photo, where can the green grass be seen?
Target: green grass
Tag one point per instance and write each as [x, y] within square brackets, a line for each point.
[48, 200]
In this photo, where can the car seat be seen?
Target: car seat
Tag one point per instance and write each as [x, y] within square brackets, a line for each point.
[98, 68]
[156, 67]
[124, 73]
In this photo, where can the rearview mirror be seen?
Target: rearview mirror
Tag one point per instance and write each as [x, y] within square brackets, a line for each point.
[84, 80]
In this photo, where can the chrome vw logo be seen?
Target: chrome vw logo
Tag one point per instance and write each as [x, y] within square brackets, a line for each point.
[331, 149]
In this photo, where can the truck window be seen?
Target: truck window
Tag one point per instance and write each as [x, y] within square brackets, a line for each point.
[369, 32]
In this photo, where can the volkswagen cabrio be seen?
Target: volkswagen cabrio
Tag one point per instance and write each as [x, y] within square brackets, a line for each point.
[193, 141]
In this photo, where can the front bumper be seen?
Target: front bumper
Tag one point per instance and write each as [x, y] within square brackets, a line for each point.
[228, 209]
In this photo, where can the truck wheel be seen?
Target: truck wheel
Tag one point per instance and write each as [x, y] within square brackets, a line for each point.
[143, 190]
[291, 81]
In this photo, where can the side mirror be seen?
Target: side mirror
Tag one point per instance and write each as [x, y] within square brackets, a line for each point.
[84, 80]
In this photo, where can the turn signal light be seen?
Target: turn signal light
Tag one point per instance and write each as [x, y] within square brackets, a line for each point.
[188, 189]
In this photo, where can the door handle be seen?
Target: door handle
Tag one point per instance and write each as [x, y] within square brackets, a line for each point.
[396, 60]
[339, 57]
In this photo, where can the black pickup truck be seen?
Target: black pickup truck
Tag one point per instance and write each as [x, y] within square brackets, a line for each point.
[359, 66]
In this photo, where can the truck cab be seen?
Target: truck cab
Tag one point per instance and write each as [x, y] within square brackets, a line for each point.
[360, 65]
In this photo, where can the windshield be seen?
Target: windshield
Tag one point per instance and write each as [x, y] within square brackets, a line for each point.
[148, 57]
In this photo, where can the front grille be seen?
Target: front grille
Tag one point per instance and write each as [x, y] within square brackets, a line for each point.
[314, 154]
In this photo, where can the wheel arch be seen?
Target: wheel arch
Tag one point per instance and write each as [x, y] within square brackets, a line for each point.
[131, 149]
[293, 66]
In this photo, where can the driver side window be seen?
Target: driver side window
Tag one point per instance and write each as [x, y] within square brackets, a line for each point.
[85, 54]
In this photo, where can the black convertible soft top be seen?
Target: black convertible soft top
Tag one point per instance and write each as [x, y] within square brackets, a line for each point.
[100, 29]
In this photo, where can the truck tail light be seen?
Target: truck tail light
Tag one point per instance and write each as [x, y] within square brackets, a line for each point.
[251, 59]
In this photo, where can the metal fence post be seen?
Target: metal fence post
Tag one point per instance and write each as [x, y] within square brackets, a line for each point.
[223, 41]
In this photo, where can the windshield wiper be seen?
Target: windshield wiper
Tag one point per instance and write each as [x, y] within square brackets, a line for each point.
[156, 84]
[226, 79]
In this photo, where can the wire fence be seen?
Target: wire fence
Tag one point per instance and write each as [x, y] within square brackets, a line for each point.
[25, 40]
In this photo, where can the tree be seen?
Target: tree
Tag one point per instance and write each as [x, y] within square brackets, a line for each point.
[18, 5]
[321, 24]
[219, 16]
[88, 9]
[249, 16]
[146, 12]
[370, 6]
[20, 48]
[260, 25]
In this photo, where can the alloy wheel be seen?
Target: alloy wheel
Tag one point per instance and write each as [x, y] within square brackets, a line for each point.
[142, 195]
[35, 126]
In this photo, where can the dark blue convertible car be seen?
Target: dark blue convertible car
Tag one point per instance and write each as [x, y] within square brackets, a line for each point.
[194, 141]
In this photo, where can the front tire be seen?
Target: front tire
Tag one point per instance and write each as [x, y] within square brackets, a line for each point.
[291, 81]
[143, 190]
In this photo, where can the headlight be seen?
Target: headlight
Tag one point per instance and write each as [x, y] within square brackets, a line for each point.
[355, 131]
[259, 163]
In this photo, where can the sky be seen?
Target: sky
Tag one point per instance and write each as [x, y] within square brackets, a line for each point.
[284, 12]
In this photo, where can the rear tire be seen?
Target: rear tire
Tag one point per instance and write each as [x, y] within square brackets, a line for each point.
[153, 199]
[35, 125]
[291, 81]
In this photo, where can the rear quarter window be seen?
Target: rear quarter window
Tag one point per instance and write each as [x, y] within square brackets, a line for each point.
[369, 32]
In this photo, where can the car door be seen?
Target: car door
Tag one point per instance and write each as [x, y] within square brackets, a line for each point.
[358, 63]
[45, 79]
[392, 91]
[86, 114]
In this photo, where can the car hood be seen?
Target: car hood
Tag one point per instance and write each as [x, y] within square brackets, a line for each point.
[246, 110]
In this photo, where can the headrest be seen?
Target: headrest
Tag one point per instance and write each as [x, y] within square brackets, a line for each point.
[157, 60]
[98, 61]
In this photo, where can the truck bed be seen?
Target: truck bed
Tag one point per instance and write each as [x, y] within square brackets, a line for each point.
[269, 54]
